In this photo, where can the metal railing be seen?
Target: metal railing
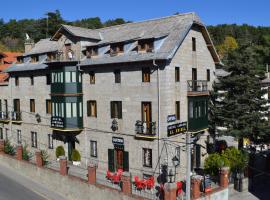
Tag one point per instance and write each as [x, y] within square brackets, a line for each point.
[145, 128]
[4, 115]
[16, 116]
[197, 86]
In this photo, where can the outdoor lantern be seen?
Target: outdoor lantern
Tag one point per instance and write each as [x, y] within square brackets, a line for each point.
[170, 175]
[114, 126]
[175, 161]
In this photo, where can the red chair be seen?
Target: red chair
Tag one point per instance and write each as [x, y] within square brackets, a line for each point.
[179, 188]
[138, 183]
[109, 175]
[150, 183]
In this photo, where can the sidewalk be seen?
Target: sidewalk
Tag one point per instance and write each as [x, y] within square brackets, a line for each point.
[245, 195]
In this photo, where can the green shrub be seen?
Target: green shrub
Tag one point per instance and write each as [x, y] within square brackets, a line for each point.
[44, 156]
[26, 154]
[60, 151]
[214, 162]
[75, 156]
[9, 148]
[238, 159]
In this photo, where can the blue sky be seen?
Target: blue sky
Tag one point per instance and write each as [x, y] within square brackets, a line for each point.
[211, 11]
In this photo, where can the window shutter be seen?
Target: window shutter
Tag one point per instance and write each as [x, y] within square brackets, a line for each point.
[111, 160]
[95, 109]
[126, 161]
[112, 109]
[120, 110]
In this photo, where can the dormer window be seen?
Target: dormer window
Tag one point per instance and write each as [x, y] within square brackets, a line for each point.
[91, 51]
[146, 45]
[116, 48]
[34, 59]
[19, 60]
[51, 56]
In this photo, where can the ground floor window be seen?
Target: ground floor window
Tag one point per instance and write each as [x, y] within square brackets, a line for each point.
[34, 139]
[147, 157]
[19, 136]
[93, 148]
[6, 133]
[50, 141]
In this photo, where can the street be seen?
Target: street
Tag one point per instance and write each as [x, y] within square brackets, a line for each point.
[14, 186]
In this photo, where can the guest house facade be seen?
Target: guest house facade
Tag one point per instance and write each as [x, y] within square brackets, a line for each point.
[123, 96]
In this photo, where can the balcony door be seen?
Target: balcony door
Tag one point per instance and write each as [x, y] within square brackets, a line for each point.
[194, 79]
[16, 104]
[147, 114]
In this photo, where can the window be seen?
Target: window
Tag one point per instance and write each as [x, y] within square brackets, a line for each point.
[190, 109]
[146, 45]
[51, 56]
[1, 133]
[193, 44]
[50, 141]
[71, 110]
[32, 80]
[32, 105]
[117, 75]
[177, 110]
[93, 148]
[208, 74]
[48, 79]
[147, 157]
[48, 106]
[146, 74]
[92, 77]
[177, 153]
[177, 74]
[19, 136]
[34, 139]
[34, 59]
[91, 51]
[70, 77]
[17, 81]
[91, 108]
[117, 48]
[116, 109]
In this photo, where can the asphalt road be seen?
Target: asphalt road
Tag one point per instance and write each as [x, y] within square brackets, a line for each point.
[14, 186]
[11, 190]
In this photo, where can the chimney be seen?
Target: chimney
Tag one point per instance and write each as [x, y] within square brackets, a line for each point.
[28, 45]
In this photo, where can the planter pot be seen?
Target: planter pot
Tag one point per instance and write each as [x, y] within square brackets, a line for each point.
[76, 163]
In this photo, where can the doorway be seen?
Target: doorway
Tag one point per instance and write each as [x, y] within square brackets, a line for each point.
[147, 115]
[71, 147]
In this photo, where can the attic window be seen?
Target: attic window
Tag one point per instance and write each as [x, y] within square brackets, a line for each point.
[51, 56]
[91, 51]
[146, 45]
[117, 48]
[34, 59]
[19, 60]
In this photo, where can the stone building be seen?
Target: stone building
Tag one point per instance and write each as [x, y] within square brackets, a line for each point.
[124, 96]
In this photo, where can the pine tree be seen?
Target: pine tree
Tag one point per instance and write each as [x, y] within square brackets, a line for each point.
[241, 108]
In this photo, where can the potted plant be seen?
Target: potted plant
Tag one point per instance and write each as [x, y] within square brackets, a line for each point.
[76, 157]
[60, 151]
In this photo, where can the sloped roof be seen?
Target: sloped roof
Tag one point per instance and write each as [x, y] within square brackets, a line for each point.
[78, 32]
[43, 46]
[9, 58]
[26, 67]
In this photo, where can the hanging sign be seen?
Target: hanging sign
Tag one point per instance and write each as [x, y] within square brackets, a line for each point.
[171, 118]
[57, 122]
[118, 141]
[176, 129]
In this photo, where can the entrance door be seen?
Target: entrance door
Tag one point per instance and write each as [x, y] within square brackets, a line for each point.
[147, 115]
[198, 156]
[71, 146]
[119, 159]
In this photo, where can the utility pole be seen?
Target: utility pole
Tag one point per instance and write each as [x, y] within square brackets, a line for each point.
[188, 169]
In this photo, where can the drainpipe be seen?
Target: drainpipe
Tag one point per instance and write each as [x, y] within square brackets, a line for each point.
[158, 93]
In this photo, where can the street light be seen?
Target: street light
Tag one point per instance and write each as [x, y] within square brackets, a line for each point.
[176, 162]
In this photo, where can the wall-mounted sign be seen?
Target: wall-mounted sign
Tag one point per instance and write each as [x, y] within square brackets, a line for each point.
[117, 141]
[177, 128]
[171, 118]
[57, 122]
